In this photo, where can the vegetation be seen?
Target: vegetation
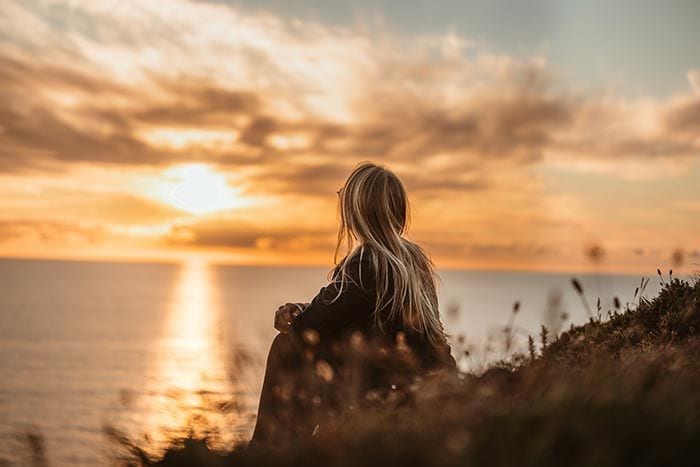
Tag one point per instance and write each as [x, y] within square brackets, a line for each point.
[623, 389]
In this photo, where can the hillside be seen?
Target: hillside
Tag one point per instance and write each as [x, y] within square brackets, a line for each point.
[621, 390]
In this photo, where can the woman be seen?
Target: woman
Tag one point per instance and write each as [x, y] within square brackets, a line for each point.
[383, 291]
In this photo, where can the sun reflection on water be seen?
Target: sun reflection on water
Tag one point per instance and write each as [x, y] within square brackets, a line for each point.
[194, 393]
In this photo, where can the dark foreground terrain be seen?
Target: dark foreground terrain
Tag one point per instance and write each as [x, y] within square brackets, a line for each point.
[621, 390]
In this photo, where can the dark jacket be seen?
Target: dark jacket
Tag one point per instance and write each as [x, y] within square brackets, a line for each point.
[333, 317]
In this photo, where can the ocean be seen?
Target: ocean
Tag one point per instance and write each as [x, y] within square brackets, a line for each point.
[90, 350]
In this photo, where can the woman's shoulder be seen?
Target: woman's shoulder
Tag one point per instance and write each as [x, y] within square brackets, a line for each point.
[358, 266]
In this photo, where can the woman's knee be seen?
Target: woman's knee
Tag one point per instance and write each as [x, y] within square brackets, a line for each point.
[282, 350]
[281, 343]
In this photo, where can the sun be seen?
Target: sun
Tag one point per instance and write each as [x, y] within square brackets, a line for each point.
[200, 190]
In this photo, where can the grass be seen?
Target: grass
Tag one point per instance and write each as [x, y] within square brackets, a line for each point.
[621, 390]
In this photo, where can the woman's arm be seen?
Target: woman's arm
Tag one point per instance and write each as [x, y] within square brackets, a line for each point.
[331, 313]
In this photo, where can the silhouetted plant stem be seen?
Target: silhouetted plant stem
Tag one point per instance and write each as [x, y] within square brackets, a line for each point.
[579, 290]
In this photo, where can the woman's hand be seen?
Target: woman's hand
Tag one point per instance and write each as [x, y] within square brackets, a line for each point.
[285, 315]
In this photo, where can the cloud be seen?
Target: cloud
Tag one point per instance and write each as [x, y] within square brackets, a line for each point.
[148, 86]
[683, 121]
[36, 131]
[231, 233]
[119, 208]
[49, 232]
[694, 80]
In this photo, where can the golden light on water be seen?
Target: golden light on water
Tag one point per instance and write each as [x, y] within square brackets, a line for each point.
[193, 390]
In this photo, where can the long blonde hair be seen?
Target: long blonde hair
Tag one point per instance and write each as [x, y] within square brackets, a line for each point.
[374, 216]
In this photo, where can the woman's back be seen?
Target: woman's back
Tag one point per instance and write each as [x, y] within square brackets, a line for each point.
[344, 308]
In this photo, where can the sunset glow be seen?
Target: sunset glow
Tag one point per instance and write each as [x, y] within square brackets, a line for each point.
[201, 190]
[122, 138]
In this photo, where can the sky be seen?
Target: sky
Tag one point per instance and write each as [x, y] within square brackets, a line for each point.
[531, 135]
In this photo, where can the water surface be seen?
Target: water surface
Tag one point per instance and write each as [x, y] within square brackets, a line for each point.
[158, 350]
